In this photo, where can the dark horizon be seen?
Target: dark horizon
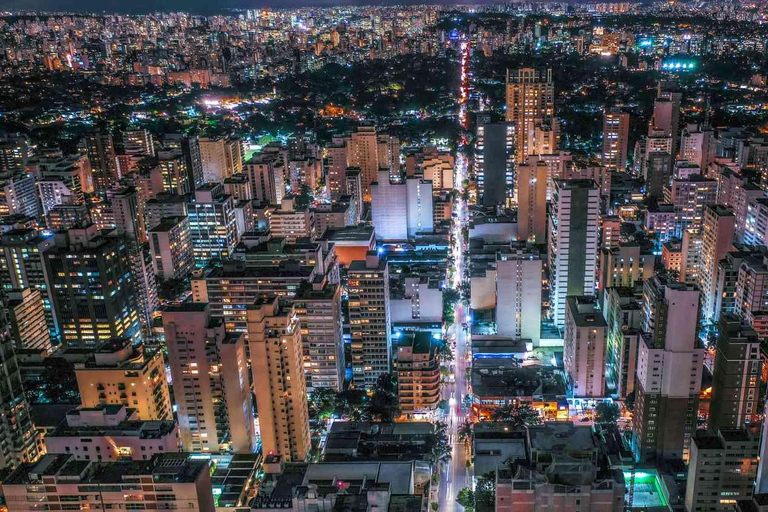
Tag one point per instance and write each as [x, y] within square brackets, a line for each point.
[198, 6]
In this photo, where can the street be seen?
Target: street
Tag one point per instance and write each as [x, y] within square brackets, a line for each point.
[457, 475]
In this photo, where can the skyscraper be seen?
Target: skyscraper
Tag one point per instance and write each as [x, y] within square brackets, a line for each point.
[669, 369]
[495, 162]
[118, 372]
[171, 246]
[274, 335]
[717, 240]
[91, 287]
[22, 266]
[736, 377]
[15, 423]
[369, 319]
[573, 242]
[101, 152]
[210, 380]
[518, 295]
[615, 140]
[190, 148]
[175, 173]
[363, 153]
[318, 305]
[532, 200]
[212, 223]
[666, 116]
[530, 105]
[721, 470]
[337, 166]
[401, 210]
[584, 348]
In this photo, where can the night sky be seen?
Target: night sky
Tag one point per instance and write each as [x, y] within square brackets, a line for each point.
[140, 6]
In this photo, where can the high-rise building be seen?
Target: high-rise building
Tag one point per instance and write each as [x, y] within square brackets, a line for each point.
[623, 314]
[518, 295]
[175, 173]
[22, 266]
[337, 166]
[584, 348]
[189, 145]
[273, 267]
[751, 287]
[14, 153]
[615, 140]
[666, 116]
[369, 319]
[495, 162]
[318, 305]
[292, 221]
[717, 241]
[355, 192]
[669, 369]
[221, 157]
[129, 214]
[736, 376]
[532, 200]
[736, 191]
[274, 335]
[138, 142]
[401, 210]
[756, 232]
[721, 469]
[176, 478]
[101, 153]
[26, 318]
[363, 153]
[15, 423]
[267, 181]
[530, 104]
[171, 246]
[698, 145]
[688, 197]
[92, 292]
[110, 433]
[418, 374]
[164, 205]
[573, 242]
[210, 380]
[18, 195]
[658, 171]
[212, 224]
[623, 266]
[121, 373]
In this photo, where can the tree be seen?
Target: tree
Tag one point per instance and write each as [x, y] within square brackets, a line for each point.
[466, 498]
[323, 403]
[629, 402]
[383, 405]
[519, 414]
[465, 431]
[440, 449]
[450, 298]
[485, 492]
[304, 197]
[171, 289]
[606, 412]
[59, 382]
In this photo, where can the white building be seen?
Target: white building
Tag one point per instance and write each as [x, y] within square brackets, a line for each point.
[112, 432]
[573, 242]
[584, 348]
[518, 296]
[400, 210]
[171, 246]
